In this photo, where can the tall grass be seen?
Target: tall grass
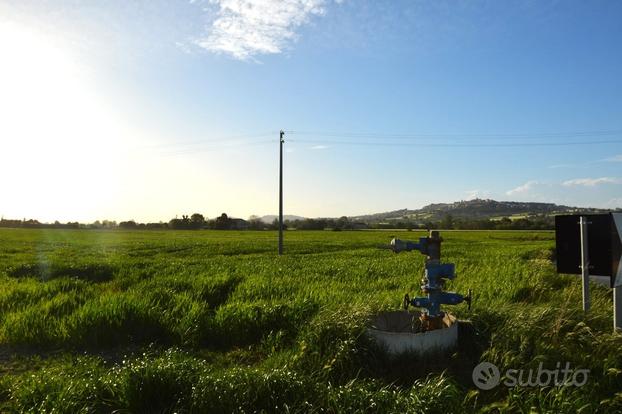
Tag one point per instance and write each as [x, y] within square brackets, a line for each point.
[216, 322]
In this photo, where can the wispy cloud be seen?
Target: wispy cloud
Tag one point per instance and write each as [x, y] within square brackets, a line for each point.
[614, 203]
[522, 189]
[319, 147]
[588, 164]
[592, 182]
[247, 28]
[615, 158]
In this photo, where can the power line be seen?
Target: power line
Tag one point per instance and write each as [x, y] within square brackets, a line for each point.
[502, 135]
[374, 139]
[208, 141]
[214, 148]
[459, 144]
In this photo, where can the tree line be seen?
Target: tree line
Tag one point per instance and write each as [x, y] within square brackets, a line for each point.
[197, 221]
[448, 222]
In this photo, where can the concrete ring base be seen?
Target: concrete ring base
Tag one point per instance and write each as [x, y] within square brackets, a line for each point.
[398, 333]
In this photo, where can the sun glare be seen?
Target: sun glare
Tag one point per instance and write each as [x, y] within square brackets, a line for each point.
[70, 153]
[53, 127]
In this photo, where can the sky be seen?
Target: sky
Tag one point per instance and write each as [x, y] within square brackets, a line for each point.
[148, 110]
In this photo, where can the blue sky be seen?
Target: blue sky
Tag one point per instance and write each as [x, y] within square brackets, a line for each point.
[148, 110]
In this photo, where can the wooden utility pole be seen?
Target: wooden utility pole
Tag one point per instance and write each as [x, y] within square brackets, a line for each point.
[281, 141]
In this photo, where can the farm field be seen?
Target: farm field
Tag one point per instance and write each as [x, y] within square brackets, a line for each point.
[215, 321]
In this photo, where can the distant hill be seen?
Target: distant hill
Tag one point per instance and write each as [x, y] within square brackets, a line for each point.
[473, 209]
[271, 217]
[470, 209]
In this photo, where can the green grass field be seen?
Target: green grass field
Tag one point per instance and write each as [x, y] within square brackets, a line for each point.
[208, 321]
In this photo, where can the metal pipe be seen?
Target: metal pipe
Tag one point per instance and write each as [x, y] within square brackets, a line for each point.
[585, 263]
[617, 308]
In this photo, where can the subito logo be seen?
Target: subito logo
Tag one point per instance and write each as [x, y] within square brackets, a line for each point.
[486, 376]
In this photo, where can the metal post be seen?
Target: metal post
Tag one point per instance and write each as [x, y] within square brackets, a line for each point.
[617, 308]
[281, 140]
[585, 263]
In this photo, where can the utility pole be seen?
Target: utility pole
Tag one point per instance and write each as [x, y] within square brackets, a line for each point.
[281, 141]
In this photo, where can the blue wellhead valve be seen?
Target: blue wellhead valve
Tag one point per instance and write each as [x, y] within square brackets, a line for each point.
[433, 282]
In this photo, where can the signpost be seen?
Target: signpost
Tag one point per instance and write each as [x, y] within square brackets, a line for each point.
[591, 244]
[585, 263]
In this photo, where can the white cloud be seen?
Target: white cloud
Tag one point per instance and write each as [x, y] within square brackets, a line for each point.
[522, 189]
[592, 182]
[319, 147]
[615, 158]
[246, 28]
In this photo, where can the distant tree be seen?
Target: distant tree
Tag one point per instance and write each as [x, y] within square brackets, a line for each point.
[275, 225]
[222, 222]
[197, 218]
[342, 223]
[504, 224]
[175, 224]
[73, 225]
[255, 223]
[428, 225]
[197, 221]
[183, 223]
[108, 224]
[447, 222]
[156, 226]
[128, 225]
